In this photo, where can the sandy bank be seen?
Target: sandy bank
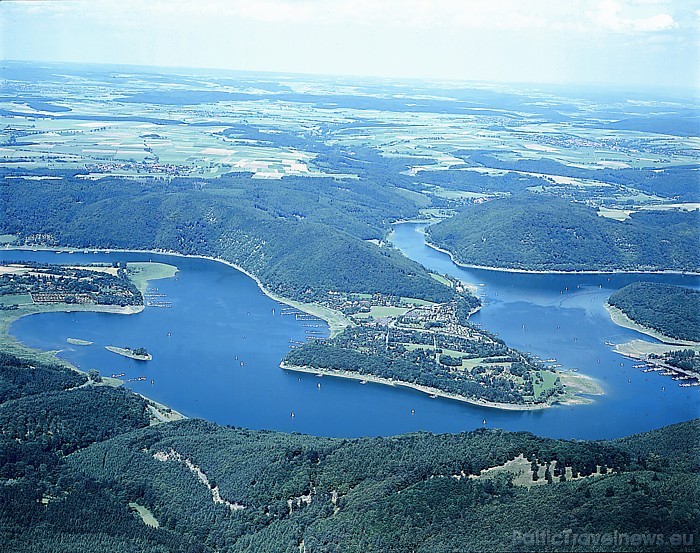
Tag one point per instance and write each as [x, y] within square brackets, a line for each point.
[425, 389]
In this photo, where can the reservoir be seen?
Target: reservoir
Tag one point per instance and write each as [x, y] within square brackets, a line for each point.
[216, 352]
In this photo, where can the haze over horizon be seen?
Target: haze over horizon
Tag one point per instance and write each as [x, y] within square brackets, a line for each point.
[623, 43]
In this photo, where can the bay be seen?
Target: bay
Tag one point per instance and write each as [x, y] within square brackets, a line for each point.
[216, 353]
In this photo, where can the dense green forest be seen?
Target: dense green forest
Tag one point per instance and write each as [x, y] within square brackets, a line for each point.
[545, 233]
[301, 237]
[502, 374]
[73, 458]
[671, 310]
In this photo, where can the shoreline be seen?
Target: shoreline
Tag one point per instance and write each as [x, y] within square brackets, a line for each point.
[621, 319]
[638, 349]
[434, 391]
[127, 352]
[336, 321]
[558, 272]
[13, 346]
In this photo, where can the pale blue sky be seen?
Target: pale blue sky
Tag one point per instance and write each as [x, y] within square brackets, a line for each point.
[633, 43]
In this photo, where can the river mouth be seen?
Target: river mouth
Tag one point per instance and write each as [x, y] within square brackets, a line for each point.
[216, 353]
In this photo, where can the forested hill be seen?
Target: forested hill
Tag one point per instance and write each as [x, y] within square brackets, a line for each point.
[300, 236]
[671, 310]
[76, 463]
[531, 232]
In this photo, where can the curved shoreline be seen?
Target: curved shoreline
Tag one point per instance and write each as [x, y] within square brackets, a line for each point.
[558, 272]
[621, 319]
[335, 320]
[432, 391]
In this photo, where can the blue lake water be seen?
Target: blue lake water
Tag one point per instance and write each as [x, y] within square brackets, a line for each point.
[217, 351]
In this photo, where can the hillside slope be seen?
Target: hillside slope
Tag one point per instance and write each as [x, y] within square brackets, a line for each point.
[549, 234]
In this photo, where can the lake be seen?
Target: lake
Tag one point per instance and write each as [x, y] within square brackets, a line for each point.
[216, 352]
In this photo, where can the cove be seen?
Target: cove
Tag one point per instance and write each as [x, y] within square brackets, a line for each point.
[216, 353]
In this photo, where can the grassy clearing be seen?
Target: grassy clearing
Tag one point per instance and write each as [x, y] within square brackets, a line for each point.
[412, 347]
[146, 515]
[548, 379]
[7, 239]
[579, 384]
[519, 468]
[417, 302]
[617, 214]
[16, 299]
[639, 349]
[379, 311]
[337, 322]
[142, 273]
[441, 279]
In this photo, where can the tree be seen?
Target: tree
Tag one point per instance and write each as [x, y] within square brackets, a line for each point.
[94, 375]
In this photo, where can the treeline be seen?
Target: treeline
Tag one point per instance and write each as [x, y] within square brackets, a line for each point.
[362, 350]
[671, 310]
[545, 233]
[301, 237]
[687, 359]
[73, 459]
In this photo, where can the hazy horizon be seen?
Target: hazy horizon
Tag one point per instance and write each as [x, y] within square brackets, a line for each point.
[630, 44]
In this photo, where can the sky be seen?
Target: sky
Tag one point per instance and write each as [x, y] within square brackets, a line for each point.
[628, 43]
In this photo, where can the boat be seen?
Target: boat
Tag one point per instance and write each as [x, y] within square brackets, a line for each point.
[318, 385]
[413, 411]
[363, 382]
[292, 415]
[432, 396]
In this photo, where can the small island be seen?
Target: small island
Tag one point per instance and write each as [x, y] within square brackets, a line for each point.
[140, 354]
[79, 342]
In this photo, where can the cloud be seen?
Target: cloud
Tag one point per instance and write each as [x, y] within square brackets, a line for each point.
[548, 16]
[608, 16]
